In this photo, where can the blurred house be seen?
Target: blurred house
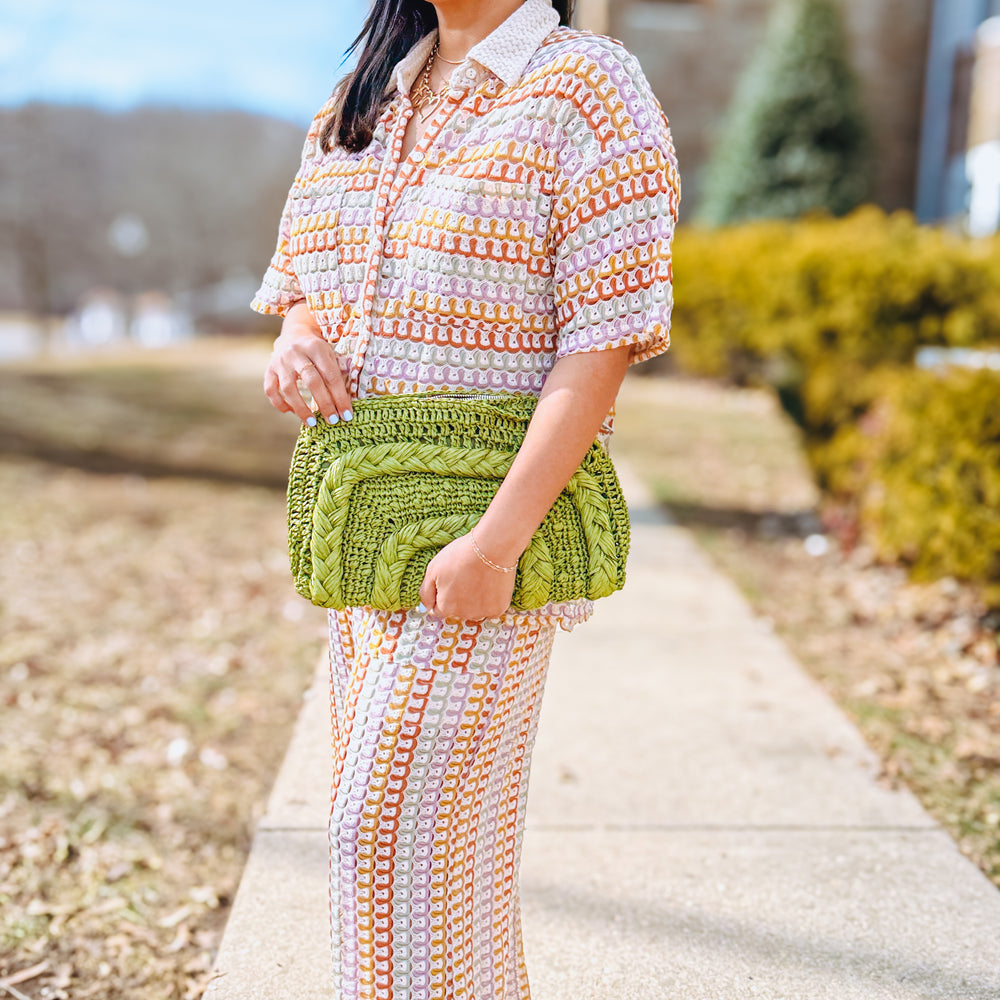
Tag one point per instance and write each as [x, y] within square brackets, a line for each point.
[917, 61]
[21, 336]
[980, 152]
[104, 318]
[100, 320]
[158, 322]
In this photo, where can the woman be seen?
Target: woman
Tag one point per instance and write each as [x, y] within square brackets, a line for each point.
[486, 202]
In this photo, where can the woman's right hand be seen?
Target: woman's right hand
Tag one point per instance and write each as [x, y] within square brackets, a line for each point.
[302, 353]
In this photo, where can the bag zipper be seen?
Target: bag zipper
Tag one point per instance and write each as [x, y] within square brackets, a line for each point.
[498, 396]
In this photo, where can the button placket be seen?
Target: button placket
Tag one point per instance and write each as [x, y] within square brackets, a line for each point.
[418, 156]
[387, 195]
[376, 250]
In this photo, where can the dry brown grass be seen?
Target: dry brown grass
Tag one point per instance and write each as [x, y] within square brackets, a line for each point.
[152, 659]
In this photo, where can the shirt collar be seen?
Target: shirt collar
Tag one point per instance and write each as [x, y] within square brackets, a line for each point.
[505, 51]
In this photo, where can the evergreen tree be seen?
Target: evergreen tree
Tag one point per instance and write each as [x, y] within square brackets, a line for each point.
[796, 136]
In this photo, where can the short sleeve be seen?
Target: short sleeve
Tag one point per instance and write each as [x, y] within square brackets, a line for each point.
[612, 230]
[280, 288]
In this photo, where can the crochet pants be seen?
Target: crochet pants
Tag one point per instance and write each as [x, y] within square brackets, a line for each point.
[433, 729]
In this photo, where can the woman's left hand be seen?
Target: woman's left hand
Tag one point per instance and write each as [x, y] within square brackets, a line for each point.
[578, 392]
[458, 584]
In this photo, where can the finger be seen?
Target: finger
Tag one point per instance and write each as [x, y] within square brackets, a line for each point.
[320, 376]
[332, 396]
[288, 382]
[273, 392]
[428, 592]
[341, 394]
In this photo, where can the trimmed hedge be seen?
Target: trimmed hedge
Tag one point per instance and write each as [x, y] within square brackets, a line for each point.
[773, 298]
[830, 312]
[931, 450]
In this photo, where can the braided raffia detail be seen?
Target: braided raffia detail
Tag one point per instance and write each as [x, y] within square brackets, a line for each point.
[534, 575]
[399, 548]
[333, 507]
[602, 546]
[412, 472]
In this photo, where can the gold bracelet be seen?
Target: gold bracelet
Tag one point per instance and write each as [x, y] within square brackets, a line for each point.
[489, 562]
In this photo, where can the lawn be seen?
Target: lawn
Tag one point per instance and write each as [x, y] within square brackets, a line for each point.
[153, 655]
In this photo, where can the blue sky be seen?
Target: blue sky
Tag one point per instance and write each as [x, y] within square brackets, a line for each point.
[280, 57]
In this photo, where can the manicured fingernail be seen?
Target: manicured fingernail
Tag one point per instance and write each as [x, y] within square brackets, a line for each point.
[333, 418]
[420, 607]
[311, 421]
[348, 415]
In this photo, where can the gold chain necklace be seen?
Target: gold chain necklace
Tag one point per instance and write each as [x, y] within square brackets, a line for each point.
[424, 94]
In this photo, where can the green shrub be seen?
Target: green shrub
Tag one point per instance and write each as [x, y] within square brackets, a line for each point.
[932, 493]
[830, 313]
[815, 307]
[767, 300]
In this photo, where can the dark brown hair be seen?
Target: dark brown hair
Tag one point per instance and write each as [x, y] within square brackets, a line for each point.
[393, 27]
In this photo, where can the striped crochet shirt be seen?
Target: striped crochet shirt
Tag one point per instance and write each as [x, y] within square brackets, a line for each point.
[533, 219]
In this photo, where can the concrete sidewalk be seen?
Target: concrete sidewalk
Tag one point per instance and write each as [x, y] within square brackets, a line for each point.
[703, 823]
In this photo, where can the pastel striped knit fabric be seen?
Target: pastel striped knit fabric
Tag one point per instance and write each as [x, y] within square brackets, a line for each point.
[533, 219]
[434, 724]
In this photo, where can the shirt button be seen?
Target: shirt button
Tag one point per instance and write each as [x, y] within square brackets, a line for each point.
[470, 73]
[418, 155]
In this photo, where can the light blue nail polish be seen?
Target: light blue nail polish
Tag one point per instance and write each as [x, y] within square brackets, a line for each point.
[333, 418]
[311, 421]
[348, 415]
[420, 607]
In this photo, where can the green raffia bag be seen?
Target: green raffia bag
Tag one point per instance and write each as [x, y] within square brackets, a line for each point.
[372, 500]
